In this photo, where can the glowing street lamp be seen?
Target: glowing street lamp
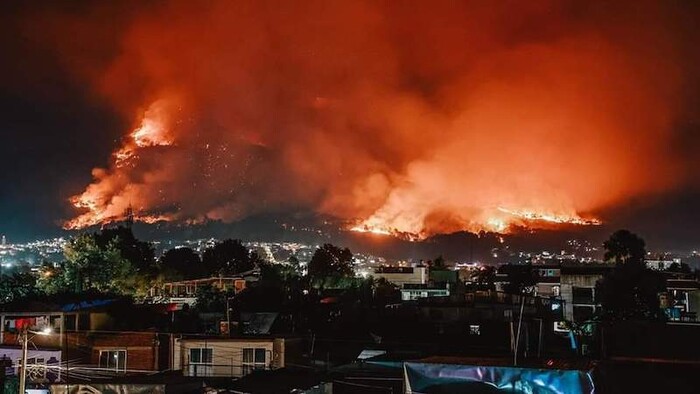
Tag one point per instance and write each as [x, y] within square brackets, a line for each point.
[25, 341]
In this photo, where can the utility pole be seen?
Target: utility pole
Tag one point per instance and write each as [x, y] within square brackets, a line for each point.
[228, 316]
[24, 337]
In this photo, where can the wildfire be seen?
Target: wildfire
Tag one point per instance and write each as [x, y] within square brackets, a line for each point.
[373, 230]
[551, 218]
[512, 130]
[375, 227]
[500, 221]
[98, 201]
[151, 132]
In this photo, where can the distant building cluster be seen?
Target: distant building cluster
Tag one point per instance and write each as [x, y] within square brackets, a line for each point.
[30, 254]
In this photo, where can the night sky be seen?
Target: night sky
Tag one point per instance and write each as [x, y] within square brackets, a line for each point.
[358, 111]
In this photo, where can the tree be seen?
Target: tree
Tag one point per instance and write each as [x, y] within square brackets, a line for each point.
[330, 261]
[210, 299]
[89, 266]
[386, 292]
[52, 279]
[623, 247]
[681, 268]
[16, 286]
[630, 290]
[439, 263]
[181, 263]
[229, 257]
[295, 264]
[140, 254]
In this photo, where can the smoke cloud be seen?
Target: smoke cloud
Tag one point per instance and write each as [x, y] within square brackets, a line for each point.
[419, 117]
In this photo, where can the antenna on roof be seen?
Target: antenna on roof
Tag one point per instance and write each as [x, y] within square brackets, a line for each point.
[129, 216]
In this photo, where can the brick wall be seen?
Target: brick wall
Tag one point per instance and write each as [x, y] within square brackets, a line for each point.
[141, 348]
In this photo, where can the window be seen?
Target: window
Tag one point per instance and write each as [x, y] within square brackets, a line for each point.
[474, 329]
[113, 359]
[582, 295]
[253, 358]
[201, 356]
[201, 362]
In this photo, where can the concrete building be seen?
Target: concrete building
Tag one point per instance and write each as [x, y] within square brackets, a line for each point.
[662, 264]
[401, 276]
[232, 357]
[577, 290]
[682, 299]
[185, 291]
[573, 285]
[412, 292]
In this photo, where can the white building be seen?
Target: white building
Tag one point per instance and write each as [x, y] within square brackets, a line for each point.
[662, 264]
[401, 276]
[232, 357]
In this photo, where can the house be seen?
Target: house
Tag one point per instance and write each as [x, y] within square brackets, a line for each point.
[401, 276]
[578, 284]
[573, 285]
[418, 282]
[233, 357]
[412, 292]
[548, 281]
[113, 350]
[661, 264]
[681, 301]
[185, 291]
[107, 336]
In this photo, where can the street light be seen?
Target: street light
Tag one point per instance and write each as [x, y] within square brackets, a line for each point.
[25, 341]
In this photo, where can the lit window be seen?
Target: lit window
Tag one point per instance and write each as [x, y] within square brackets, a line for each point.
[253, 358]
[113, 359]
[474, 329]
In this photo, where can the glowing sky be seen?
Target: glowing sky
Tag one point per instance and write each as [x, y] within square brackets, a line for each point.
[420, 117]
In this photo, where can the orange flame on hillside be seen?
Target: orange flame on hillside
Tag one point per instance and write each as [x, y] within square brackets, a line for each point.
[151, 132]
[502, 221]
[415, 118]
[99, 203]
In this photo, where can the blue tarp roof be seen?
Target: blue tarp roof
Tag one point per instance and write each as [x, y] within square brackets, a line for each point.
[85, 305]
[426, 378]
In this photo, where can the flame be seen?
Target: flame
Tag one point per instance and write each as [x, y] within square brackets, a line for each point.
[511, 117]
[502, 221]
[97, 201]
[151, 132]
[373, 230]
[551, 218]
[385, 231]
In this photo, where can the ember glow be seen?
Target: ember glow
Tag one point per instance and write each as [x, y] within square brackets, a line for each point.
[501, 220]
[409, 117]
[98, 202]
[551, 218]
[151, 132]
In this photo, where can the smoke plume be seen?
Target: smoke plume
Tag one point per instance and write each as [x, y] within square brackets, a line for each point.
[417, 117]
